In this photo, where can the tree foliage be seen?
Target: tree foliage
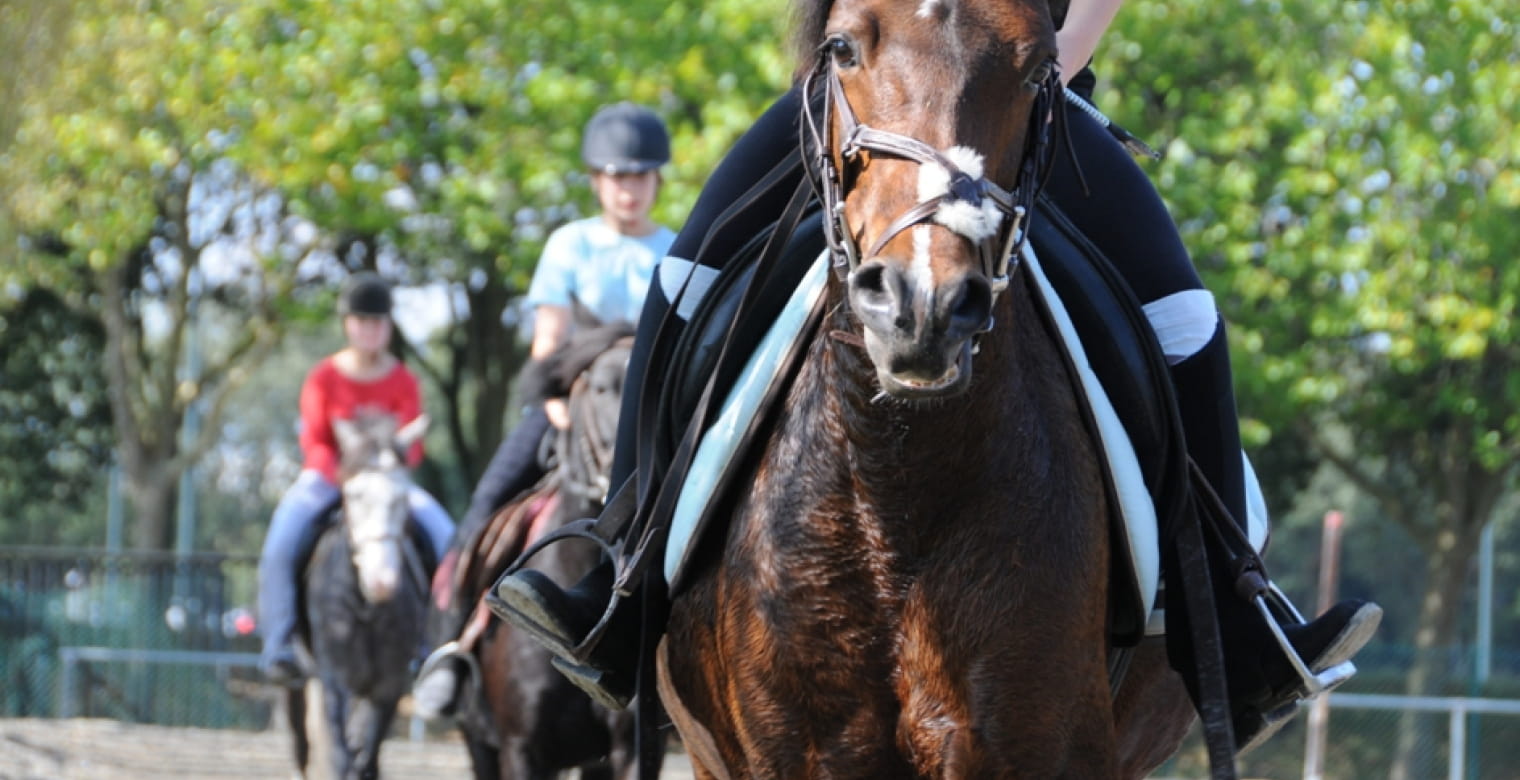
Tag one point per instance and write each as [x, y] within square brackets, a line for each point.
[207, 152]
[116, 183]
[1346, 175]
[54, 419]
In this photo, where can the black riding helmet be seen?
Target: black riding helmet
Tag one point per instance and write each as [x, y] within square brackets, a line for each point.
[625, 138]
[365, 293]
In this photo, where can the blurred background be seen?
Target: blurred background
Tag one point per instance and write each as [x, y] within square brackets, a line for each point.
[182, 184]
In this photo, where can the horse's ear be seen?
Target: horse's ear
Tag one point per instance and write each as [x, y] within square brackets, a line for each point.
[1058, 10]
[582, 315]
[412, 432]
[349, 437]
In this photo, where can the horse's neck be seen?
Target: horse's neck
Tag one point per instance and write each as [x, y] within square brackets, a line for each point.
[902, 454]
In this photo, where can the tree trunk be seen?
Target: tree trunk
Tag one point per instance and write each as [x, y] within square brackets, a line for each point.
[1446, 574]
[154, 495]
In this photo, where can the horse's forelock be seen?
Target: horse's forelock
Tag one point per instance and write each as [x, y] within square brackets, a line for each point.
[809, 18]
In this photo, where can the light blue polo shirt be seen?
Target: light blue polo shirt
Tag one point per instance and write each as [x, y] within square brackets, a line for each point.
[608, 271]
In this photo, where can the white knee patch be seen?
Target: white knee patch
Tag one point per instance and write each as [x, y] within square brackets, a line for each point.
[1184, 322]
[676, 273]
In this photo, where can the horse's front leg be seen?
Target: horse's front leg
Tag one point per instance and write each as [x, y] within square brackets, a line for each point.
[368, 722]
[335, 706]
[295, 713]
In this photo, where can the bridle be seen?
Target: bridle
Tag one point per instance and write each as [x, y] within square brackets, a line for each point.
[997, 251]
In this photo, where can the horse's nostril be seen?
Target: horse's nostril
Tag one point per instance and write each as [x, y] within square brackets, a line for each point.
[876, 293]
[968, 305]
[869, 279]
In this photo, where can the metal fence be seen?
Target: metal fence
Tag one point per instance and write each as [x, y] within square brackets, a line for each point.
[1370, 715]
[165, 639]
[144, 637]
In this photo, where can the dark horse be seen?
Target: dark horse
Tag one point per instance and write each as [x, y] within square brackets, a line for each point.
[365, 593]
[537, 723]
[914, 579]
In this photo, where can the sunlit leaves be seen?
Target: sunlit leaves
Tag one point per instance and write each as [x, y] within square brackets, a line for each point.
[1344, 174]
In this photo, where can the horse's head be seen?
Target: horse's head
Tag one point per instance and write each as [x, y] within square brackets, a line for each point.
[375, 485]
[921, 134]
[591, 368]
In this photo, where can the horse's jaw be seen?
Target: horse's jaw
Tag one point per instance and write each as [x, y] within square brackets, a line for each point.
[910, 380]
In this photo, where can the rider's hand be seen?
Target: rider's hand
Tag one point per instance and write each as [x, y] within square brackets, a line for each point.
[558, 410]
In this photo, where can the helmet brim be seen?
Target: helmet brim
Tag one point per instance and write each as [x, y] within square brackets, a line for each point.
[627, 166]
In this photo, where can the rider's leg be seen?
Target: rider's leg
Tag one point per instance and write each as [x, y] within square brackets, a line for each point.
[561, 618]
[1123, 215]
[436, 524]
[514, 467]
[295, 517]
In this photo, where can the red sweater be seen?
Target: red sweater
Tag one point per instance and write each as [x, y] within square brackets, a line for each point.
[328, 395]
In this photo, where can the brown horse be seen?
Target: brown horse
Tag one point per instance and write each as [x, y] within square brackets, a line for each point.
[914, 581]
[536, 722]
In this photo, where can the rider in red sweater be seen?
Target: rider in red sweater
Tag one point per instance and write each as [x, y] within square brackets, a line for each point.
[363, 375]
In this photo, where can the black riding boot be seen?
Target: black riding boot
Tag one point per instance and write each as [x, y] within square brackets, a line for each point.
[1264, 687]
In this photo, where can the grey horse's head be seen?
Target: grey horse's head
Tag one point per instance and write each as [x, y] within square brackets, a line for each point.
[375, 486]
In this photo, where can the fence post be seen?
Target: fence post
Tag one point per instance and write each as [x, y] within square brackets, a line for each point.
[1456, 750]
[66, 660]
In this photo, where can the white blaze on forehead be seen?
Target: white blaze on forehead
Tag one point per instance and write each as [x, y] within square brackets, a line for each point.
[975, 221]
[927, 9]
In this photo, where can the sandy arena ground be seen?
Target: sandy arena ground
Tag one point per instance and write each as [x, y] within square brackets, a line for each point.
[82, 749]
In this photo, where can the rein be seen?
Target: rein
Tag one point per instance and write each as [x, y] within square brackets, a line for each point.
[856, 137]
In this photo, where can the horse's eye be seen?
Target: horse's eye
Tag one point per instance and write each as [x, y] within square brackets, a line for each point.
[1041, 74]
[842, 51]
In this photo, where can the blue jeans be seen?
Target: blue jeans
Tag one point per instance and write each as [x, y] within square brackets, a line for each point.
[295, 523]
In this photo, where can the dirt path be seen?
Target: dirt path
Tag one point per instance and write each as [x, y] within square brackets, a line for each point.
[80, 749]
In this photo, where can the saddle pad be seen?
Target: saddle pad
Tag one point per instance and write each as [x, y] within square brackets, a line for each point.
[719, 447]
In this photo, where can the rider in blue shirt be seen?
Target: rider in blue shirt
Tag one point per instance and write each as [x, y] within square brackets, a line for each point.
[604, 263]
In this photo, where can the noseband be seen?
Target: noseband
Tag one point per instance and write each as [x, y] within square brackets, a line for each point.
[997, 250]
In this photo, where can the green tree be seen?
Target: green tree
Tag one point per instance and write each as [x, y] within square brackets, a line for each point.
[278, 138]
[55, 436]
[116, 183]
[441, 140]
[1346, 175]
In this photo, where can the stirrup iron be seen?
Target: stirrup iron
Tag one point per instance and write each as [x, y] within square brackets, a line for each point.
[445, 651]
[1311, 684]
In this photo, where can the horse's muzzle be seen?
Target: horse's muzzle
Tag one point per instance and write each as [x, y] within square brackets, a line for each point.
[919, 333]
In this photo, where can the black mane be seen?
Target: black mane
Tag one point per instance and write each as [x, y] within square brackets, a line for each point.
[553, 376]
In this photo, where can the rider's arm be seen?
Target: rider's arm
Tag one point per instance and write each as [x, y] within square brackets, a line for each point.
[408, 406]
[549, 325]
[553, 284]
[319, 448]
[1086, 21]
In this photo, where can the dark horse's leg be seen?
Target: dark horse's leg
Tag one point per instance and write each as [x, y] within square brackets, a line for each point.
[335, 706]
[368, 722]
[295, 713]
[484, 759]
